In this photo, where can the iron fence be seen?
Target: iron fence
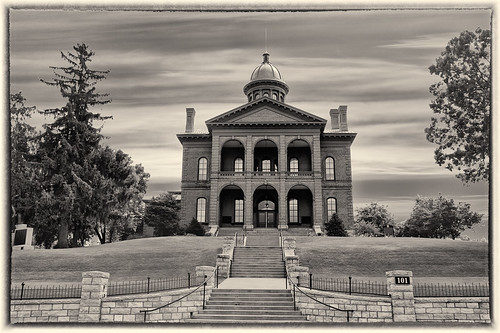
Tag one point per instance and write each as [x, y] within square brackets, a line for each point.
[349, 285]
[150, 285]
[45, 292]
[451, 290]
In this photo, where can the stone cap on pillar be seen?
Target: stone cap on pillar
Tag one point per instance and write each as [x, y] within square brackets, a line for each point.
[96, 274]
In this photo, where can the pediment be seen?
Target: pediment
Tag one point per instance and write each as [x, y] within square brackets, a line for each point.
[264, 115]
[265, 111]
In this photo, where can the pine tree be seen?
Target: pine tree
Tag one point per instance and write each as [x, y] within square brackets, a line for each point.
[195, 228]
[335, 227]
[68, 143]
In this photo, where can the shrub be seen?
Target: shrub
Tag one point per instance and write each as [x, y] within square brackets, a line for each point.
[366, 229]
[195, 228]
[335, 227]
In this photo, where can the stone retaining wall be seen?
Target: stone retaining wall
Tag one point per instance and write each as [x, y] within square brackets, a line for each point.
[363, 309]
[453, 309]
[127, 308]
[44, 310]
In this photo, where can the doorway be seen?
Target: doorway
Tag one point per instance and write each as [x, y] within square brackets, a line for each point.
[265, 206]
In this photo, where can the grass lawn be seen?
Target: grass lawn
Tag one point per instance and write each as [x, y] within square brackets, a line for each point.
[372, 257]
[325, 256]
[136, 259]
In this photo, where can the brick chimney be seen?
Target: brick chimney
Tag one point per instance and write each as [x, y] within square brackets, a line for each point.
[343, 117]
[334, 116]
[190, 112]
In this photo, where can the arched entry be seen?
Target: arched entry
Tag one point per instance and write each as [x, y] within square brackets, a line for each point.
[300, 206]
[231, 202]
[265, 207]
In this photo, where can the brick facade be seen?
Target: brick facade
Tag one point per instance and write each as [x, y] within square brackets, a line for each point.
[265, 135]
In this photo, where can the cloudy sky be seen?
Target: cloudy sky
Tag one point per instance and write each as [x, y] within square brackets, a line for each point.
[160, 63]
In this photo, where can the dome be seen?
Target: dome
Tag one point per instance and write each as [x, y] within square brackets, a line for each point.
[266, 71]
[266, 81]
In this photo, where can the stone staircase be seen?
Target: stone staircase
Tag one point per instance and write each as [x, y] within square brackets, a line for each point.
[258, 265]
[251, 306]
[257, 262]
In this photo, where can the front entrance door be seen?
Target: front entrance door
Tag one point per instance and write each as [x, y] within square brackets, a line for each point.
[266, 214]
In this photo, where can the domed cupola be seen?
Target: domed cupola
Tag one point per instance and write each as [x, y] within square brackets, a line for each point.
[266, 81]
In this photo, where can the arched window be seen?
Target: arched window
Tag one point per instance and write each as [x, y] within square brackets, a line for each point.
[294, 164]
[293, 210]
[275, 96]
[202, 169]
[238, 164]
[266, 165]
[266, 94]
[238, 211]
[257, 95]
[250, 97]
[331, 207]
[329, 168]
[201, 208]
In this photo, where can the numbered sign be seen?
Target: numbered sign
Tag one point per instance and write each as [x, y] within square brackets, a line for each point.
[402, 279]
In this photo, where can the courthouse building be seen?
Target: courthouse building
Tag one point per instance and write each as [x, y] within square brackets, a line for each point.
[267, 164]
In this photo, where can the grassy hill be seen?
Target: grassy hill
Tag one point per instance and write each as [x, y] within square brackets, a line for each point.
[176, 256]
[372, 257]
[136, 259]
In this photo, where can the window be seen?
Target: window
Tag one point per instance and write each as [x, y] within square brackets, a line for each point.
[238, 164]
[201, 207]
[294, 164]
[293, 210]
[330, 168]
[250, 97]
[202, 168]
[266, 94]
[266, 165]
[238, 211]
[257, 95]
[331, 207]
[275, 96]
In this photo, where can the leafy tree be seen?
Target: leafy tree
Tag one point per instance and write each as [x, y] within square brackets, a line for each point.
[195, 228]
[376, 214]
[461, 127]
[67, 145]
[23, 171]
[117, 190]
[363, 228]
[162, 213]
[439, 218]
[335, 226]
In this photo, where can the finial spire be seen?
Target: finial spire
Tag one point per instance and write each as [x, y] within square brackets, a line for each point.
[265, 40]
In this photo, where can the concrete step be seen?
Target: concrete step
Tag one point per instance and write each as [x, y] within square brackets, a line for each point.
[256, 312]
[250, 317]
[250, 291]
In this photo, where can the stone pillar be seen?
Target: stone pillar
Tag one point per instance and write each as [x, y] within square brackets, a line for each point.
[223, 264]
[201, 272]
[282, 200]
[190, 112]
[248, 211]
[343, 117]
[334, 117]
[289, 243]
[400, 288]
[94, 289]
[299, 274]
[292, 261]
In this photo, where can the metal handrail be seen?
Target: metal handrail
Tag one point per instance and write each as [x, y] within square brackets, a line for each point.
[288, 278]
[204, 283]
[314, 299]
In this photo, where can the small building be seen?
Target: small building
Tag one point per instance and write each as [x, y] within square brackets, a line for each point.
[267, 164]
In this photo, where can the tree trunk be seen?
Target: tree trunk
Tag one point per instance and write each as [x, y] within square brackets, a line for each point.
[62, 237]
